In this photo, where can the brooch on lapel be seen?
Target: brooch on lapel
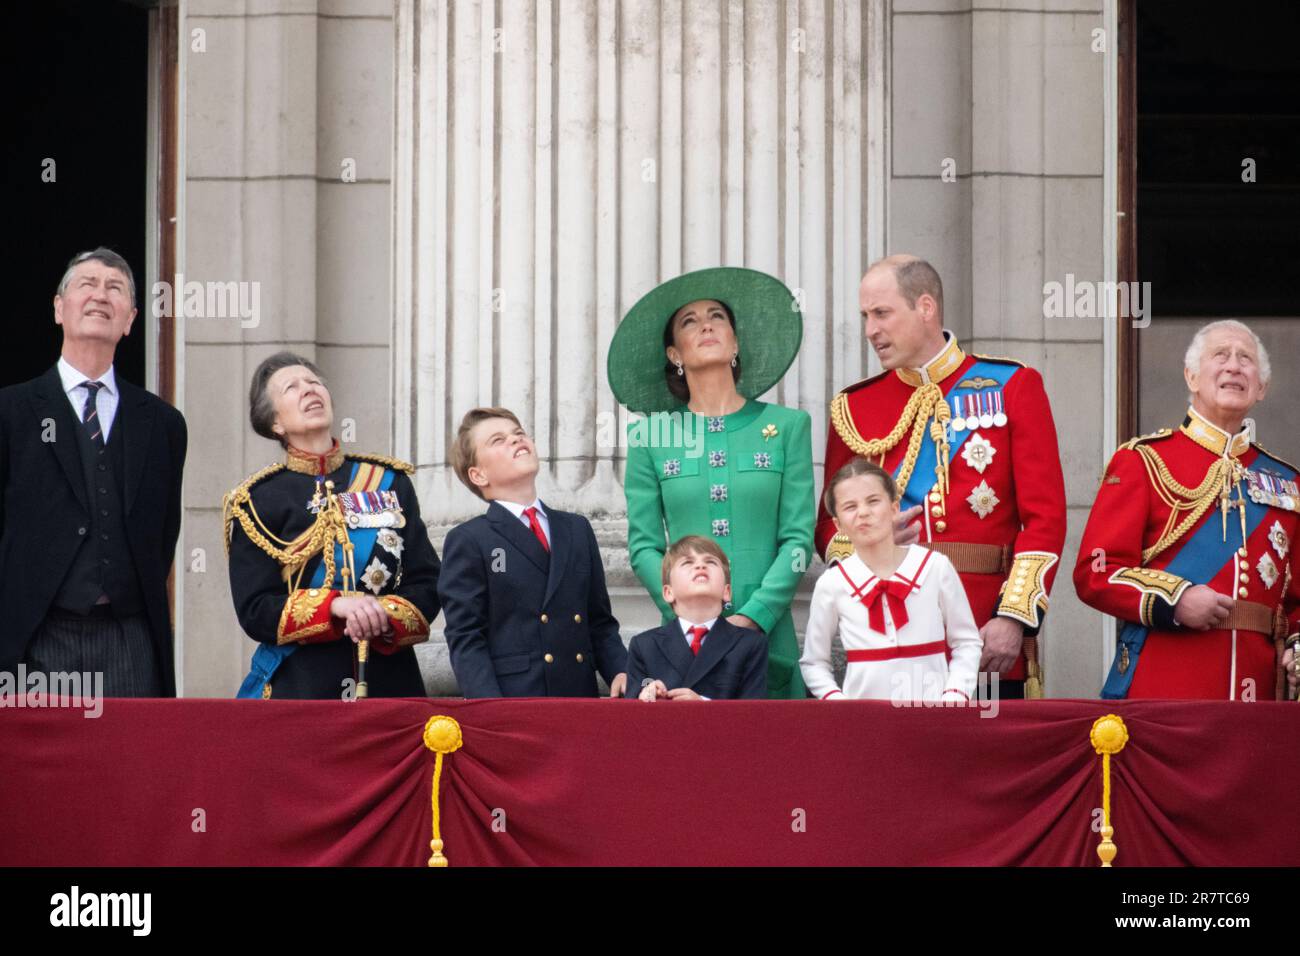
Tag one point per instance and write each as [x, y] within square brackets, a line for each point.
[769, 431]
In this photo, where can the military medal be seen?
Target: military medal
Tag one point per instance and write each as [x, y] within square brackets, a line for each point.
[957, 422]
[1268, 488]
[971, 418]
[371, 509]
[999, 416]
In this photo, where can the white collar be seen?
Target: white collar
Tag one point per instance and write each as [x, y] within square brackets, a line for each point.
[73, 378]
[518, 510]
[687, 625]
[864, 577]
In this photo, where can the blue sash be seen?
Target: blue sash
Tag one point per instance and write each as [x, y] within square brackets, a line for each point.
[1199, 559]
[268, 657]
[928, 457]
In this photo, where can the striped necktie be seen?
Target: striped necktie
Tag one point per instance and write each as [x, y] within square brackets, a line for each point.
[90, 414]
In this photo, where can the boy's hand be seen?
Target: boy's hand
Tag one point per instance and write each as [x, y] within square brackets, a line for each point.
[618, 686]
[655, 690]
[683, 693]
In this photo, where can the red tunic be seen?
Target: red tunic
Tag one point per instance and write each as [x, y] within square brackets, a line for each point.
[1132, 513]
[1016, 501]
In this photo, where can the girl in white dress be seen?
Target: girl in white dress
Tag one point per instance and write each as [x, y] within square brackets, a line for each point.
[900, 611]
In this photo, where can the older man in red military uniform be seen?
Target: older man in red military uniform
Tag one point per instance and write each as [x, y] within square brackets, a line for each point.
[1190, 541]
[971, 443]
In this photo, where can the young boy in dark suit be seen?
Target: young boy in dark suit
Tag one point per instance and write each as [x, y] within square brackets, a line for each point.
[522, 586]
[699, 655]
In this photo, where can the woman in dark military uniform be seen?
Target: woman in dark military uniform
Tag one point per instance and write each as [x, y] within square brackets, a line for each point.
[329, 559]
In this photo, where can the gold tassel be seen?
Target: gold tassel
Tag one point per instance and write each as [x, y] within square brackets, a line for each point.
[442, 736]
[1034, 682]
[1108, 736]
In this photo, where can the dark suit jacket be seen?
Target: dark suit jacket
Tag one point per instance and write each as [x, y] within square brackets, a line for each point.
[43, 507]
[732, 663]
[520, 623]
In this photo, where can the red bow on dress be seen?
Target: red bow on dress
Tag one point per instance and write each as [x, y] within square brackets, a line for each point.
[892, 591]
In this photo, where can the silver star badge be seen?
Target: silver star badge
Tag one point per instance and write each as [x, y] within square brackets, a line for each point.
[1281, 543]
[1267, 570]
[982, 499]
[375, 576]
[978, 452]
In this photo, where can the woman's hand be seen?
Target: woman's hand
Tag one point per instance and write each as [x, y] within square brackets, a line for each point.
[741, 621]
[364, 615]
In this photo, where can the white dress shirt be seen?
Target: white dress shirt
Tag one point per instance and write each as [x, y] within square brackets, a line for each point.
[518, 511]
[687, 625]
[106, 398]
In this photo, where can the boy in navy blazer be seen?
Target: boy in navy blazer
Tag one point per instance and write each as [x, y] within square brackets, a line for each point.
[522, 586]
[699, 655]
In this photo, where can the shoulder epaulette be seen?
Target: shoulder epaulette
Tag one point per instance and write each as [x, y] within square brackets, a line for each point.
[1005, 360]
[240, 494]
[866, 381]
[1282, 461]
[394, 463]
[1152, 436]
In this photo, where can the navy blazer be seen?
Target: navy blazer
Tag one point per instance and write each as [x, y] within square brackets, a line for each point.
[521, 622]
[732, 662]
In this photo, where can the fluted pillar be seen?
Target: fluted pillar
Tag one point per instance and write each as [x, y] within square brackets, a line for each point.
[556, 159]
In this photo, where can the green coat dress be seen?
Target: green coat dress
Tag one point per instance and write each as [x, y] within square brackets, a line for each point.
[744, 480]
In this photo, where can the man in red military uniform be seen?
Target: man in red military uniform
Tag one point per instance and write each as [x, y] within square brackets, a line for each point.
[971, 443]
[1190, 541]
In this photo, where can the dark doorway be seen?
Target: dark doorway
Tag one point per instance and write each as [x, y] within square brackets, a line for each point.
[1217, 106]
[76, 92]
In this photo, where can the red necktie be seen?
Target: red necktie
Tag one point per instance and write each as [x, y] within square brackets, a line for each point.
[892, 592]
[531, 513]
[697, 638]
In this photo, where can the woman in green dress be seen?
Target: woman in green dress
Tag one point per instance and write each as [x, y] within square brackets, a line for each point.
[710, 459]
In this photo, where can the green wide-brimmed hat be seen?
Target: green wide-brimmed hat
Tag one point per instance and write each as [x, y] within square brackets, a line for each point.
[769, 328]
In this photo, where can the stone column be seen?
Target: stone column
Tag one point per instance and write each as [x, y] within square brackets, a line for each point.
[287, 152]
[556, 159]
[1011, 94]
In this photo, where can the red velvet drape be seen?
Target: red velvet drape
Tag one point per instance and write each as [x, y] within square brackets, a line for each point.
[625, 783]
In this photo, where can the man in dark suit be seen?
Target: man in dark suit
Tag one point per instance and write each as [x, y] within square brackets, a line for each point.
[90, 501]
[699, 655]
[522, 587]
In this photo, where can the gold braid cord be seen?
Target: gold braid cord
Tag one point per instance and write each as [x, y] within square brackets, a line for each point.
[330, 528]
[926, 402]
[1194, 502]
